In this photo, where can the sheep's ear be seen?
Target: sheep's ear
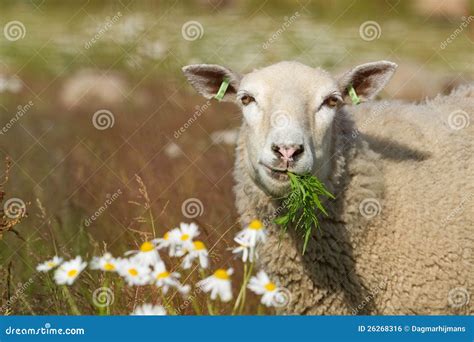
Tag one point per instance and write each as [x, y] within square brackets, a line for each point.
[208, 78]
[366, 80]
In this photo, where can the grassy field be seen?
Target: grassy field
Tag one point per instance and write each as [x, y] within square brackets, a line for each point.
[64, 169]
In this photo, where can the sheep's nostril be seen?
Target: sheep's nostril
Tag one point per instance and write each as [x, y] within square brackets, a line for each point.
[299, 150]
[287, 152]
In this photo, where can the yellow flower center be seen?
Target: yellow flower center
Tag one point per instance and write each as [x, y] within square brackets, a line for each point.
[256, 224]
[133, 272]
[184, 237]
[147, 246]
[51, 264]
[221, 274]
[270, 286]
[199, 245]
[162, 275]
[166, 236]
[109, 267]
[72, 273]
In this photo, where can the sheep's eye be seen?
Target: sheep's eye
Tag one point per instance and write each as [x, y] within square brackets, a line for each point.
[246, 99]
[331, 101]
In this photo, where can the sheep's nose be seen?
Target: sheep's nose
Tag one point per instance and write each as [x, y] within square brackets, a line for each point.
[287, 152]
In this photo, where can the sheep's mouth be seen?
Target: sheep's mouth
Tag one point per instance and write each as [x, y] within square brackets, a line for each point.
[276, 173]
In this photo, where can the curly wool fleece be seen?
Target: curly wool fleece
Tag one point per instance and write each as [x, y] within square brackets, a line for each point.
[400, 235]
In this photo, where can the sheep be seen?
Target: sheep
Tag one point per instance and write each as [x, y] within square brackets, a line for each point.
[399, 236]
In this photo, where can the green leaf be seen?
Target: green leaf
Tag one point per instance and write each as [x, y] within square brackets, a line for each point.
[282, 220]
[302, 204]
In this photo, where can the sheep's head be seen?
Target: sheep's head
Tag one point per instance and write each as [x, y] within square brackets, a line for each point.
[288, 112]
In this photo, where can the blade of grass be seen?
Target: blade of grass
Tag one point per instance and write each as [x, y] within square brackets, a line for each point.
[301, 205]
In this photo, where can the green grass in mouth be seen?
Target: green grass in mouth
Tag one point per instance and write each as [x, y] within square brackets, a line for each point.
[300, 205]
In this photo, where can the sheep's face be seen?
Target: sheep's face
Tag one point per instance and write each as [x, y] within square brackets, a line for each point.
[288, 111]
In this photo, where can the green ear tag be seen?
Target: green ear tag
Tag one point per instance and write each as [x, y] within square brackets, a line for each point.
[352, 93]
[223, 88]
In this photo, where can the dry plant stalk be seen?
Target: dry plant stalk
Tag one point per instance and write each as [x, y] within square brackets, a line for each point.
[7, 222]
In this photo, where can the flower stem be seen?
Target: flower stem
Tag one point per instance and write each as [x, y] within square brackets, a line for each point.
[208, 302]
[54, 291]
[239, 302]
[246, 280]
[197, 309]
[152, 220]
[71, 301]
[209, 308]
[166, 304]
[104, 309]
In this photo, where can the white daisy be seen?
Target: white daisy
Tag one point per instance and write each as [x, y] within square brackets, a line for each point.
[49, 264]
[165, 279]
[170, 240]
[180, 239]
[218, 284]
[134, 272]
[105, 263]
[262, 285]
[253, 234]
[198, 251]
[146, 255]
[69, 271]
[187, 233]
[248, 252]
[149, 310]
